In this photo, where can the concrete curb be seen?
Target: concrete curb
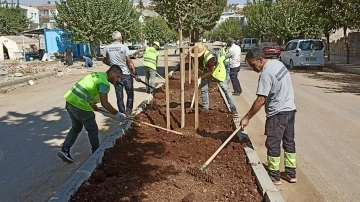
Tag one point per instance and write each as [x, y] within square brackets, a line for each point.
[268, 189]
[343, 68]
[84, 172]
[26, 79]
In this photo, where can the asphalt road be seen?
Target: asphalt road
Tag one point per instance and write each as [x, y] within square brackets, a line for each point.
[327, 133]
[33, 125]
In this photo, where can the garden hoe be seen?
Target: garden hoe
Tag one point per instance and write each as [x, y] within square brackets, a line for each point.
[139, 122]
[152, 87]
[199, 173]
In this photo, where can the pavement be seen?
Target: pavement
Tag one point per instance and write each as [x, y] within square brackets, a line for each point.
[327, 133]
[338, 63]
[34, 124]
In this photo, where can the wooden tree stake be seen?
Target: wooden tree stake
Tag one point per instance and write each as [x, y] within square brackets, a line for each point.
[167, 90]
[182, 79]
[196, 86]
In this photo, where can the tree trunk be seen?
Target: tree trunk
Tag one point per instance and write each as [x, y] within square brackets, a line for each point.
[92, 50]
[327, 35]
[347, 46]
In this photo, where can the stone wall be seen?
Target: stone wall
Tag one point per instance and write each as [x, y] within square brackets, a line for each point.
[337, 43]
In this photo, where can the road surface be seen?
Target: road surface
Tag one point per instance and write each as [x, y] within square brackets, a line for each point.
[33, 125]
[327, 133]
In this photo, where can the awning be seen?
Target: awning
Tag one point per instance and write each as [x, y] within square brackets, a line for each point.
[35, 31]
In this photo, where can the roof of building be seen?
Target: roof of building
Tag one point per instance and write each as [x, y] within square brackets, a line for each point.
[42, 7]
[147, 13]
[21, 39]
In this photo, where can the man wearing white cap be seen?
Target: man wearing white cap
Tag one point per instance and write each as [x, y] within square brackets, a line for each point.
[119, 54]
[212, 67]
[150, 64]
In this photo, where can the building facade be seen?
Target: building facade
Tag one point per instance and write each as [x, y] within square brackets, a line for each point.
[32, 14]
[47, 13]
[236, 12]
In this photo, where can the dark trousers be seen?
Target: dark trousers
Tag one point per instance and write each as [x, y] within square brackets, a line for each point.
[79, 119]
[234, 79]
[126, 82]
[280, 127]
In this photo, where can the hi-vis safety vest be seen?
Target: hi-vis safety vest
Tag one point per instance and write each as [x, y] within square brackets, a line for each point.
[85, 92]
[220, 71]
[223, 54]
[150, 57]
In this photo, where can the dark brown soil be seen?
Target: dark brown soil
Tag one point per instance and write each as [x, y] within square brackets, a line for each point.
[149, 164]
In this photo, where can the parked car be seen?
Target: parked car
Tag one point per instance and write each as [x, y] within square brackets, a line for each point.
[303, 52]
[133, 49]
[248, 43]
[270, 49]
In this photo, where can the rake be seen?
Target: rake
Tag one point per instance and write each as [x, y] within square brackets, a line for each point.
[200, 173]
[140, 122]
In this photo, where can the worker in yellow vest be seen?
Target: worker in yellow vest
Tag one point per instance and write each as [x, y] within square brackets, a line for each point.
[150, 64]
[223, 51]
[81, 102]
[212, 67]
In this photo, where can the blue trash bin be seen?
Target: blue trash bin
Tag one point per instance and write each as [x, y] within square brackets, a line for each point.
[27, 57]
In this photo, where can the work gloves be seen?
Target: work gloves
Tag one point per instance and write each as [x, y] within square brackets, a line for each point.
[120, 116]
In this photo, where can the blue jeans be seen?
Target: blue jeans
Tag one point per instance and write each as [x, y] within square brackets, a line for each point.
[79, 119]
[88, 64]
[204, 85]
[126, 82]
[234, 79]
[227, 67]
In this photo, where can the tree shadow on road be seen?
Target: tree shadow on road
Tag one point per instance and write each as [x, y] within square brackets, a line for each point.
[336, 82]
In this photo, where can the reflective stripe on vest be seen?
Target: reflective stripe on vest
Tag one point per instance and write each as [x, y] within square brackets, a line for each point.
[85, 92]
[150, 58]
[220, 71]
[290, 160]
[273, 163]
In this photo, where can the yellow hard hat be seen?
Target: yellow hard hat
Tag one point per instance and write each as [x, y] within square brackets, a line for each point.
[157, 43]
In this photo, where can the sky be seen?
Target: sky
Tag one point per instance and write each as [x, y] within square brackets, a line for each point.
[45, 1]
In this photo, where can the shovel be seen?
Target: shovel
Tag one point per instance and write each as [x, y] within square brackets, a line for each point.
[200, 172]
[139, 122]
[143, 82]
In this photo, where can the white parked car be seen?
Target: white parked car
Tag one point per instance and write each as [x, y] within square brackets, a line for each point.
[303, 53]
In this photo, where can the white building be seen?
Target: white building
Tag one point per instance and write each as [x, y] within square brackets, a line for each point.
[226, 16]
[233, 14]
[47, 13]
[32, 14]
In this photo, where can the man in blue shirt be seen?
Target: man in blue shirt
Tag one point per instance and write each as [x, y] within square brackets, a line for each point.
[88, 61]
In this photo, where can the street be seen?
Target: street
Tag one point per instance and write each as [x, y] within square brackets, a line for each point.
[327, 133]
[34, 124]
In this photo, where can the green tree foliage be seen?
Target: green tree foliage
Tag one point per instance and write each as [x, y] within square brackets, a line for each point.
[175, 12]
[282, 20]
[12, 21]
[156, 29]
[94, 21]
[204, 16]
[229, 28]
[140, 5]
